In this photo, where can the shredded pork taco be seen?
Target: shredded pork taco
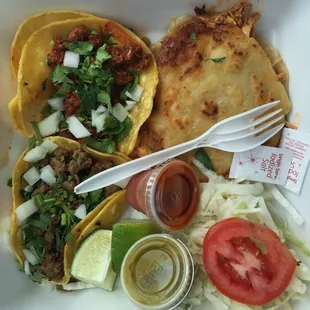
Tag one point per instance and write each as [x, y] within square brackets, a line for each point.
[47, 217]
[94, 80]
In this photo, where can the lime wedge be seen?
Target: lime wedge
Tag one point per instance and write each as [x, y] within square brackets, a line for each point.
[125, 234]
[92, 262]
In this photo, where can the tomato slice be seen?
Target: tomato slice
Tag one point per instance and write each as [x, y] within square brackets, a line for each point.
[247, 262]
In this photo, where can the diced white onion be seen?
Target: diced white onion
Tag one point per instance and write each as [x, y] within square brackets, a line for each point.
[130, 104]
[27, 268]
[57, 103]
[32, 176]
[28, 189]
[49, 145]
[35, 154]
[49, 125]
[120, 112]
[48, 168]
[30, 257]
[25, 210]
[75, 286]
[123, 183]
[136, 94]
[98, 117]
[71, 59]
[101, 109]
[80, 212]
[99, 122]
[48, 175]
[77, 128]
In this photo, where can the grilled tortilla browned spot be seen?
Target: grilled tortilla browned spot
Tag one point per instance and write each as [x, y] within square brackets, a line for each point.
[210, 68]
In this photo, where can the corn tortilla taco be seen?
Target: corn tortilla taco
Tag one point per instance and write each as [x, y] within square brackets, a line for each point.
[210, 68]
[98, 78]
[31, 25]
[47, 217]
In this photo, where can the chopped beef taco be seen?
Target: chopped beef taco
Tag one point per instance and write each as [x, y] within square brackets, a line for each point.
[31, 25]
[47, 217]
[94, 81]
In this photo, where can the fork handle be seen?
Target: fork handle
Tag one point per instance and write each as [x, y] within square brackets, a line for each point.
[126, 170]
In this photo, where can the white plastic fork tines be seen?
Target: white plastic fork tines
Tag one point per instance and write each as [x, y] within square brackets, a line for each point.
[235, 134]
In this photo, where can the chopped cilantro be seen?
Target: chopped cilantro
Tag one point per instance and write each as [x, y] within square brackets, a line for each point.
[43, 85]
[216, 60]
[32, 142]
[66, 87]
[37, 132]
[36, 277]
[187, 306]
[107, 36]
[203, 157]
[88, 98]
[68, 236]
[59, 75]
[112, 125]
[45, 218]
[94, 32]
[26, 196]
[63, 219]
[127, 125]
[104, 97]
[38, 224]
[101, 56]
[130, 87]
[62, 177]
[63, 124]
[193, 36]
[95, 196]
[9, 182]
[103, 145]
[80, 47]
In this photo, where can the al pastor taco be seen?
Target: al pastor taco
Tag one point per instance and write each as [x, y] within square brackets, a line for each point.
[47, 217]
[94, 80]
[31, 25]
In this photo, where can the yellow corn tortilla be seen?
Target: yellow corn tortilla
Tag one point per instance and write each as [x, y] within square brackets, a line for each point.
[15, 115]
[220, 73]
[31, 25]
[105, 219]
[32, 98]
[113, 206]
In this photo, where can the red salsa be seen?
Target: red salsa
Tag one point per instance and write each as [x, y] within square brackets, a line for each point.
[169, 194]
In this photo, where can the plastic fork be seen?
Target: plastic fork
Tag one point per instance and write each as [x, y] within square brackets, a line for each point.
[235, 134]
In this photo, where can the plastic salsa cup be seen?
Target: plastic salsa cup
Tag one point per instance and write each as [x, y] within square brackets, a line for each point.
[157, 272]
[168, 194]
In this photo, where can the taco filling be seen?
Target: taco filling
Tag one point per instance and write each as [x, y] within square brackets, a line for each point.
[96, 84]
[54, 209]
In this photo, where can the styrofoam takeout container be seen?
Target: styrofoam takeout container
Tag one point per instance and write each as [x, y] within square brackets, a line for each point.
[285, 23]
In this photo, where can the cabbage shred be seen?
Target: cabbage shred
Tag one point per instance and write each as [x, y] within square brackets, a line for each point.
[221, 199]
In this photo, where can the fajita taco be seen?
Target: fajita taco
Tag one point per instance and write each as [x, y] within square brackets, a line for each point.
[47, 217]
[31, 25]
[97, 77]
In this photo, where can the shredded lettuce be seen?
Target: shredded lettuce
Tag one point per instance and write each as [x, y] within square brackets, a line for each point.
[222, 199]
[293, 238]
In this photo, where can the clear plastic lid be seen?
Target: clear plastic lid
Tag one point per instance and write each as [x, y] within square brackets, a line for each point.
[157, 272]
[172, 195]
